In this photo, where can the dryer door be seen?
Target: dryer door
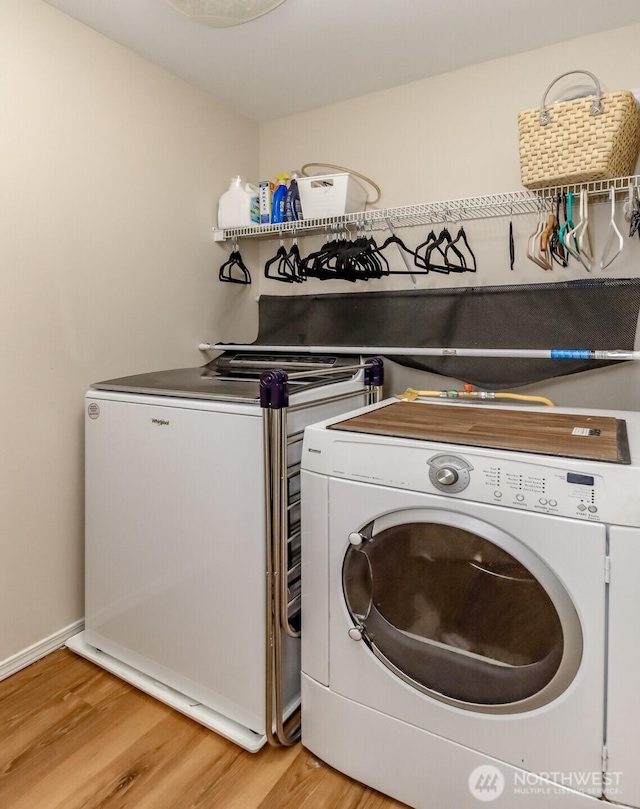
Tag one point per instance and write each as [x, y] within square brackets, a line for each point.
[462, 611]
[480, 624]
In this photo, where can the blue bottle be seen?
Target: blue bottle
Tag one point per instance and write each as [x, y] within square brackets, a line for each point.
[278, 199]
[292, 205]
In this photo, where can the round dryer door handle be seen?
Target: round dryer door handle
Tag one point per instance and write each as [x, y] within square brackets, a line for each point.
[356, 632]
[356, 538]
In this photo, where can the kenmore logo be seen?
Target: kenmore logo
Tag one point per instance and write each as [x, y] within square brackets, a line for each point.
[159, 422]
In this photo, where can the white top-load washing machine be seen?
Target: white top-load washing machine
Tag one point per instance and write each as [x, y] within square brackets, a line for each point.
[470, 596]
[179, 472]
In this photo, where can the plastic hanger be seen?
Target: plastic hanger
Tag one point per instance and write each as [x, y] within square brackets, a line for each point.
[319, 264]
[284, 268]
[452, 249]
[512, 244]
[547, 233]
[569, 230]
[444, 237]
[614, 237]
[535, 252]
[556, 247]
[461, 239]
[234, 264]
[542, 242]
[568, 226]
[373, 251]
[295, 260]
[419, 260]
[393, 239]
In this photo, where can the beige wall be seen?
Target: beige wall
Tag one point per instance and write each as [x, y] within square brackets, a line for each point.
[111, 169]
[450, 136]
[454, 136]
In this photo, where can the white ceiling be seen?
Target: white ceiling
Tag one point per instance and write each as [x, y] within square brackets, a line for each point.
[309, 53]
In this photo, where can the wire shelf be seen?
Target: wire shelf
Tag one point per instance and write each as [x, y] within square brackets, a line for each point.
[512, 203]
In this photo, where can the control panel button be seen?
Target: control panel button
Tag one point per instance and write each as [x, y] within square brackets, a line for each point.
[553, 503]
[519, 498]
[542, 501]
[497, 494]
[593, 509]
[582, 507]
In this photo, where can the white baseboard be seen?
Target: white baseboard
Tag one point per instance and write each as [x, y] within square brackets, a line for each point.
[28, 656]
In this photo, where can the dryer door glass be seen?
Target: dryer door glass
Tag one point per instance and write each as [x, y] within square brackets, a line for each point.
[473, 619]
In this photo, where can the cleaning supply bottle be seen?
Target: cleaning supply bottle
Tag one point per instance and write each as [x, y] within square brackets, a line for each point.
[265, 190]
[234, 206]
[292, 206]
[254, 203]
[279, 196]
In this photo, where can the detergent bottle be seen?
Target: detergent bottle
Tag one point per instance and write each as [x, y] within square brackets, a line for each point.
[292, 206]
[235, 205]
[279, 197]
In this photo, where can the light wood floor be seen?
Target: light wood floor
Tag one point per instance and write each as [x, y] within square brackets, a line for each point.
[73, 736]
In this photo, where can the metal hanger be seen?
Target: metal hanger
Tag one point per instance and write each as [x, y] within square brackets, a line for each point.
[578, 240]
[570, 240]
[585, 245]
[614, 237]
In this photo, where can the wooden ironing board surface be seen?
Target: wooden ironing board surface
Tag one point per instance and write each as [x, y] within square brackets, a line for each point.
[545, 432]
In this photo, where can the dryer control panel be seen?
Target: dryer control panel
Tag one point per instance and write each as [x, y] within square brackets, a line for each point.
[507, 483]
[548, 482]
[566, 487]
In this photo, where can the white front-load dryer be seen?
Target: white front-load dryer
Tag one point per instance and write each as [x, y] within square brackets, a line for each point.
[454, 649]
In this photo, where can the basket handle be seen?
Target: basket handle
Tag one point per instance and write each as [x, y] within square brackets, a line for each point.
[596, 104]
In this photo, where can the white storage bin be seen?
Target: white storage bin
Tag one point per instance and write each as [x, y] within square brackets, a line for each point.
[326, 195]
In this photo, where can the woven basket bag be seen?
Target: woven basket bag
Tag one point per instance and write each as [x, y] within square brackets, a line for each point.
[571, 142]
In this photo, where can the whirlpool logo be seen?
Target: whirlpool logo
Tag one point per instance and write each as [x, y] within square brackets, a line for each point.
[160, 422]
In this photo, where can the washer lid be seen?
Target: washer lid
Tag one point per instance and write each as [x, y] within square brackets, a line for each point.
[233, 376]
[192, 383]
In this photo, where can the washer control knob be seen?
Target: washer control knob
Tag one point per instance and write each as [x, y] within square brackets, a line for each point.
[449, 473]
[355, 538]
[355, 633]
[446, 476]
